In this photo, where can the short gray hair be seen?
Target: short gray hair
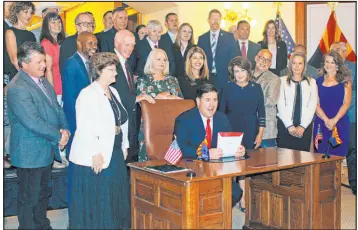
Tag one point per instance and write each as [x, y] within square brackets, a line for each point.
[83, 13]
[153, 24]
[26, 49]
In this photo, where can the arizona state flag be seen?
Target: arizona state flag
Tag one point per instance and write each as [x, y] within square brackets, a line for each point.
[331, 35]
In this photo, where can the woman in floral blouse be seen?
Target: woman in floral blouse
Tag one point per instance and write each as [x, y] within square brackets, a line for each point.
[157, 83]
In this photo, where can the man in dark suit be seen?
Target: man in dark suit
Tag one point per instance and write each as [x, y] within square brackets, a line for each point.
[172, 23]
[38, 129]
[220, 48]
[75, 77]
[84, 22]
[152, 41]
[196, 124]
[124, 45]
[247, 48]
[107, 24]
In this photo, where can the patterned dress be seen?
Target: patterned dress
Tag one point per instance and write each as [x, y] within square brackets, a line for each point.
[148, 85]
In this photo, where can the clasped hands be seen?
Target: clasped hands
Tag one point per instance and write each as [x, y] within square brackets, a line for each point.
[216, 153]
[296, 131]
[330, 123]
[167, 95]
[64, 138]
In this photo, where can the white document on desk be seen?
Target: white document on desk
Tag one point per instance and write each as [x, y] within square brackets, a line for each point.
[229, 142]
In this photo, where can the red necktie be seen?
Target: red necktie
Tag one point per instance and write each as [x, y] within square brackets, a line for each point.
[129, 78]
[156, 46]
[208, 133]
[243, 49]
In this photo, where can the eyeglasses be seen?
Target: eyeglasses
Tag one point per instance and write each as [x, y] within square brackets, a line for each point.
[86, 24]
[264, 60]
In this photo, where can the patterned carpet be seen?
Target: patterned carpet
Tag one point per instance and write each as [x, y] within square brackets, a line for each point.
[59, 218]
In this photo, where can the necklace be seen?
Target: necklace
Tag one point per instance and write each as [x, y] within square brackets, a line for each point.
[117, 113]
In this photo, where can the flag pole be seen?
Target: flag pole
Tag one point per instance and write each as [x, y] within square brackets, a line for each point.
[326, 156]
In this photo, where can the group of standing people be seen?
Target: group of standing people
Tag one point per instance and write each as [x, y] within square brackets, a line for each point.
[83, 92]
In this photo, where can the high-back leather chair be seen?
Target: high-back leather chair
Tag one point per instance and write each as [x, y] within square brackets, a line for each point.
[158, 124]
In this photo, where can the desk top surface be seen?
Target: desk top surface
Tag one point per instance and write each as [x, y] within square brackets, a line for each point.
[260, 161]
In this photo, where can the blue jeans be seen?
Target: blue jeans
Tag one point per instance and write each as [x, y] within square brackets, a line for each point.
[268, 143]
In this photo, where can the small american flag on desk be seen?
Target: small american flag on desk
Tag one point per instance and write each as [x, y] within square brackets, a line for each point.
[285, 34]
[174, 154]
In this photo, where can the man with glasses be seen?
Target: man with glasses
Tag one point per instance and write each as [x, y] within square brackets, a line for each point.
[270, 84]
[84, 22]
[220, 48]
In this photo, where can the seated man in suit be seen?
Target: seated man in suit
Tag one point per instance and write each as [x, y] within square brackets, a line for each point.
[75, 78]
[220, 48]
[247, 48]
[38, 129]
[124, 42]
[152, 41]
[172, 23]
[204, 122]
[312, 71]
[84, 22]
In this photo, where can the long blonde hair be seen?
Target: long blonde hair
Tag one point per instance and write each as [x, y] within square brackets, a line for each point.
[204, 71]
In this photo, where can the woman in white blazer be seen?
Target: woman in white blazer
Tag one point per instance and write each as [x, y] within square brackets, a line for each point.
[296, 106]
[100, 187]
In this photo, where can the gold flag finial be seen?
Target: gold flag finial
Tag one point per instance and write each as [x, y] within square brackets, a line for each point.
[277, 5]
[333, 5]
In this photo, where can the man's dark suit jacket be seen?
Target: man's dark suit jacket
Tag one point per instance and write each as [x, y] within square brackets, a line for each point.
[190, 132]
[281, 56]
[68, 49]
[106, 44]
[74, 78]
[142, 50]
[165, 38]
[180, 60]
[226, 50]
[129, 102]
[252, 49]
[35, 121]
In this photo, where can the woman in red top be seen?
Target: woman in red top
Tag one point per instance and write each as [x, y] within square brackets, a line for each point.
[52, 34]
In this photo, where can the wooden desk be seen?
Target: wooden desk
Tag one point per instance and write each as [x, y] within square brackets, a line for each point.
[286, 189]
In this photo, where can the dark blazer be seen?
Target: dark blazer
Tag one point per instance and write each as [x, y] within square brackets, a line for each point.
[68, 48]
[189, 130]
[180, 59]
[165, 38]
[281, 56]
[74, 78]
[189, 89]
[226, 50]
[129, 102]
[252, 50]
[106, 44]
[35, 122]
[142, 50]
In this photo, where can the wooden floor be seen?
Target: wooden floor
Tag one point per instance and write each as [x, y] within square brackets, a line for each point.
[59, 218]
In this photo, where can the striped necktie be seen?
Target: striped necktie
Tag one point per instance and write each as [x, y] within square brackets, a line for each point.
[44, 90]
[213, 50]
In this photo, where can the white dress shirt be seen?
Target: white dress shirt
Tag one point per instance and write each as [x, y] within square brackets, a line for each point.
[122, 60]
[172, 36]
[152, 44]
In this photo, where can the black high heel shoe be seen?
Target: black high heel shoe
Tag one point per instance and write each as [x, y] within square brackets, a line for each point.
[241, 208]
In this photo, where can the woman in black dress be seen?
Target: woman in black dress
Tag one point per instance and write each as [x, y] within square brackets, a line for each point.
[20, 16]
[196, 73]
[183, 43]
[100, 196]
[272, 41]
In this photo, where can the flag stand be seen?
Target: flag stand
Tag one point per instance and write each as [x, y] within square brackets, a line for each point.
[326, 156]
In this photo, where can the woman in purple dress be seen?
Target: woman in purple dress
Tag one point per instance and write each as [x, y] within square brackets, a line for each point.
[335, 95]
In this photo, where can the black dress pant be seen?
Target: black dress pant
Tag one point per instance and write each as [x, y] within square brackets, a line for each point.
[34, 193]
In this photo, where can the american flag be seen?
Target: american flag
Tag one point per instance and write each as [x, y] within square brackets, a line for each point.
[285, 34]
[319, 136]
[174, 154]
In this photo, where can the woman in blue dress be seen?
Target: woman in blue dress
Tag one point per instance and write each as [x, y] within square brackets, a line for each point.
[243, 102]
[335, 95]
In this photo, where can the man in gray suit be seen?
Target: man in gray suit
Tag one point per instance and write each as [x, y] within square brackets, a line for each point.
[247, 48]
[38, 129]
